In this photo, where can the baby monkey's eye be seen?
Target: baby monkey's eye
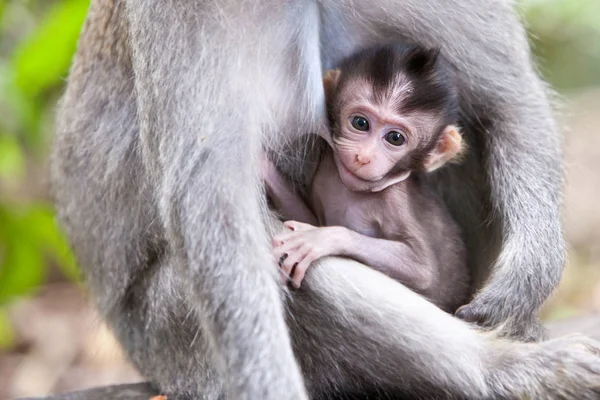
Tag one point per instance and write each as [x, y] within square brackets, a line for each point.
[360, 123]
[395, 138]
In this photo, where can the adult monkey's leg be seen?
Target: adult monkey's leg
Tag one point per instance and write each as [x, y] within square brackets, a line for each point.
[154, 173]
[212, 77]
[356, 332]
[509, 125]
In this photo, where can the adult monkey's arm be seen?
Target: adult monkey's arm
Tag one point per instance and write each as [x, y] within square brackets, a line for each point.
[204, 99]
[513, 138]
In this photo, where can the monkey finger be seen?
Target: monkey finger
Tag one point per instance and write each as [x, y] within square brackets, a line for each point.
[294, 238]
[283, 238]
[282, 259]
[300, 270]
[283, 277]
[291, 260]
[287, 248]
[297, 226]
[291, 225]
[280, 240]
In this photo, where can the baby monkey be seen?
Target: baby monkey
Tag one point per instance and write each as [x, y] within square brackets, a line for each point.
[392, 112]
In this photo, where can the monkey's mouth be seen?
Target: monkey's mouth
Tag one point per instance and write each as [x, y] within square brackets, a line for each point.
[352, 181]
[353, 172]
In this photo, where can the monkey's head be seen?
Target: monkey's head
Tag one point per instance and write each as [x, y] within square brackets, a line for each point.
[392, 110]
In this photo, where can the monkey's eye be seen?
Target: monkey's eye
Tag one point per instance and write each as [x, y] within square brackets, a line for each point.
[360, 123]
[395, 138]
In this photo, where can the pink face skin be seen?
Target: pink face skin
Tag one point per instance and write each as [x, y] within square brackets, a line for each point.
[364, 157]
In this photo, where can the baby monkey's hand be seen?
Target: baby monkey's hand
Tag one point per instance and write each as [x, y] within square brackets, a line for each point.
[305, 243]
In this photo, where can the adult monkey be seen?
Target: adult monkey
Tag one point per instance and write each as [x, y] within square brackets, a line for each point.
[166, 97]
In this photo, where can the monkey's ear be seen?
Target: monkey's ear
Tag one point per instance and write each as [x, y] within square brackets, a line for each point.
[325, 132]
[330, 81]
[448, 146]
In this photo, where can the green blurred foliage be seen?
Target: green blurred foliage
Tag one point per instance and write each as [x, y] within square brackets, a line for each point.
[565, 35]
[37, 41]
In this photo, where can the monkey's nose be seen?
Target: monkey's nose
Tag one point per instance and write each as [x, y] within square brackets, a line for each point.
[362, 159]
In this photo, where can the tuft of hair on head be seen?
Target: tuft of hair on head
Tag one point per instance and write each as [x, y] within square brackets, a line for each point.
[434, 87]
[421, 60]
[386, 66]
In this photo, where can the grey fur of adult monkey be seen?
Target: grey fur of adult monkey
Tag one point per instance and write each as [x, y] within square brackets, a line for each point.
[155, 174]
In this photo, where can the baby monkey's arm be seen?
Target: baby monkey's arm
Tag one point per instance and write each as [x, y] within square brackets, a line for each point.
[306, 243]
[285, 199]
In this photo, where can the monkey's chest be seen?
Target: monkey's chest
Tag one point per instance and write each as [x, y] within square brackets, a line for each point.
[335, 205]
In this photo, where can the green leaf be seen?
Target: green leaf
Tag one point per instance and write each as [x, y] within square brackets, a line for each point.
[42, 60]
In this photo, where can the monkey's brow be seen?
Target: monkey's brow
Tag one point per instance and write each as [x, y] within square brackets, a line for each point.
[385, 112]
[399, 90]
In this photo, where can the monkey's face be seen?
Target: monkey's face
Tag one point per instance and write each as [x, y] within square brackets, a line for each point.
[370, 140]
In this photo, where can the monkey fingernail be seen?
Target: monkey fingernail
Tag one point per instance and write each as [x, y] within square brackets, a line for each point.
[293, 271]
[282, 259]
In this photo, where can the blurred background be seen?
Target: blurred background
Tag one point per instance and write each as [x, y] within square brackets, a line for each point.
[51, 341]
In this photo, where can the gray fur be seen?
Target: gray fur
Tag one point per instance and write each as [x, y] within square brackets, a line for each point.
[155, 176]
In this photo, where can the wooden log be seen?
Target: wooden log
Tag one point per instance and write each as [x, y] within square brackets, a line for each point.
[588, 325]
